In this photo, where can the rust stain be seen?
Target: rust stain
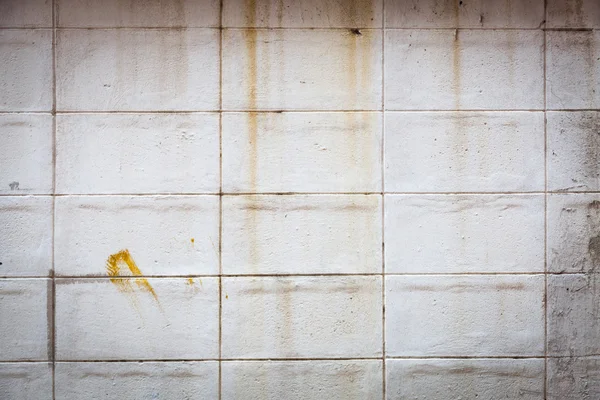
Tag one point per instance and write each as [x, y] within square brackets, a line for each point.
[192, 284]
[252, 82]
[252, 79]
[122, 264]
[192, 240]
[465, 287]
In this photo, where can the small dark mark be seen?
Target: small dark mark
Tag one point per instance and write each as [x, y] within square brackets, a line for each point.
[0, 263]
[356, 31]
[594, 205]
[14, 185]
[460, 3]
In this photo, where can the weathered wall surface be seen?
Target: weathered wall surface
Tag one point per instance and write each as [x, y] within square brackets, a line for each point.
[314, 199]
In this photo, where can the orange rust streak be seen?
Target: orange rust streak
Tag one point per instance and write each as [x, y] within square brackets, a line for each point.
[115, 267]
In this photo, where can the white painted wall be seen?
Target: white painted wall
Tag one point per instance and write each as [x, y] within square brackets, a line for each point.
[189, 212]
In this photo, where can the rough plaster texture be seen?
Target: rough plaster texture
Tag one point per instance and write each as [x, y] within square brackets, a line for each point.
[299, 199]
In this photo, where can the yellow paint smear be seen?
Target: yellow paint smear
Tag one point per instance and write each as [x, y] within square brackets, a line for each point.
[122, 264]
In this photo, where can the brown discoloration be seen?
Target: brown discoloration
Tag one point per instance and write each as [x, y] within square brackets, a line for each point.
[573, 10]
[594, 205]
[285, 285]
[437, 370]
[594, 251]
[256, 205]
[122, 264]
[50, 319]
[252, 82]
[591, 61]
[464, 287]
[15, 124]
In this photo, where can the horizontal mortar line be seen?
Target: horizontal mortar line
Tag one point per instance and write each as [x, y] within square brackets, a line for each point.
[475, 28]
[249, 194]
[213, 27]
[162, 360]
[382, 27]
[142, 112]
[291, 275]
[228, 359]
[233, 194]
[465, 110]
[480, 110]
[218, 111]
[50, 113]
[513, 357]
[182, 112]
[298, 111]
[207, 111]
[572, 109]
[104, 277]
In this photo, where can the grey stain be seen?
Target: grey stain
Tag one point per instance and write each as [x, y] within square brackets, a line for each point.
[594, 250]
[14, 185]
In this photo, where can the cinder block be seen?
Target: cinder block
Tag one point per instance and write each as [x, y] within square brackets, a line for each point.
[302, 69]
[467, 14]
[163, 235]
[299, 380]
[464, 233]
[573, 233]
[477, 315]
[138, 13]
[464, 69]
[573, 69]
[137, 380]
[25, 312]
[490, 379]
[137, 319]
[25, 236]
[26, 158]
[464, 151]
[573, 314]
[301, 317]
[573, 14]
[26, 381]
[147, 153]
[303, 13]
[302, 152]
[26, 78]
[302, 234]
[574, 151]
[26, 14]
[137, 70]
[574, 378]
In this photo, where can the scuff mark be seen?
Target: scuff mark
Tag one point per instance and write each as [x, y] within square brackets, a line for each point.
[14, 185]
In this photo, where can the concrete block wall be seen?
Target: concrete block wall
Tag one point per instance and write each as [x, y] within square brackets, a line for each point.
[314, 199]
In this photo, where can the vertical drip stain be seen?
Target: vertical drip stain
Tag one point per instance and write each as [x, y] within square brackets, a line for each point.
[460, 137]
[456, 57]
[252, 81]
[122, 263]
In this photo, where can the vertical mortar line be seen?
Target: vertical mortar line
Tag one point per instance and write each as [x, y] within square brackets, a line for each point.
[382, 156]
[220, 196]
[52, 318]
[545, 208]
